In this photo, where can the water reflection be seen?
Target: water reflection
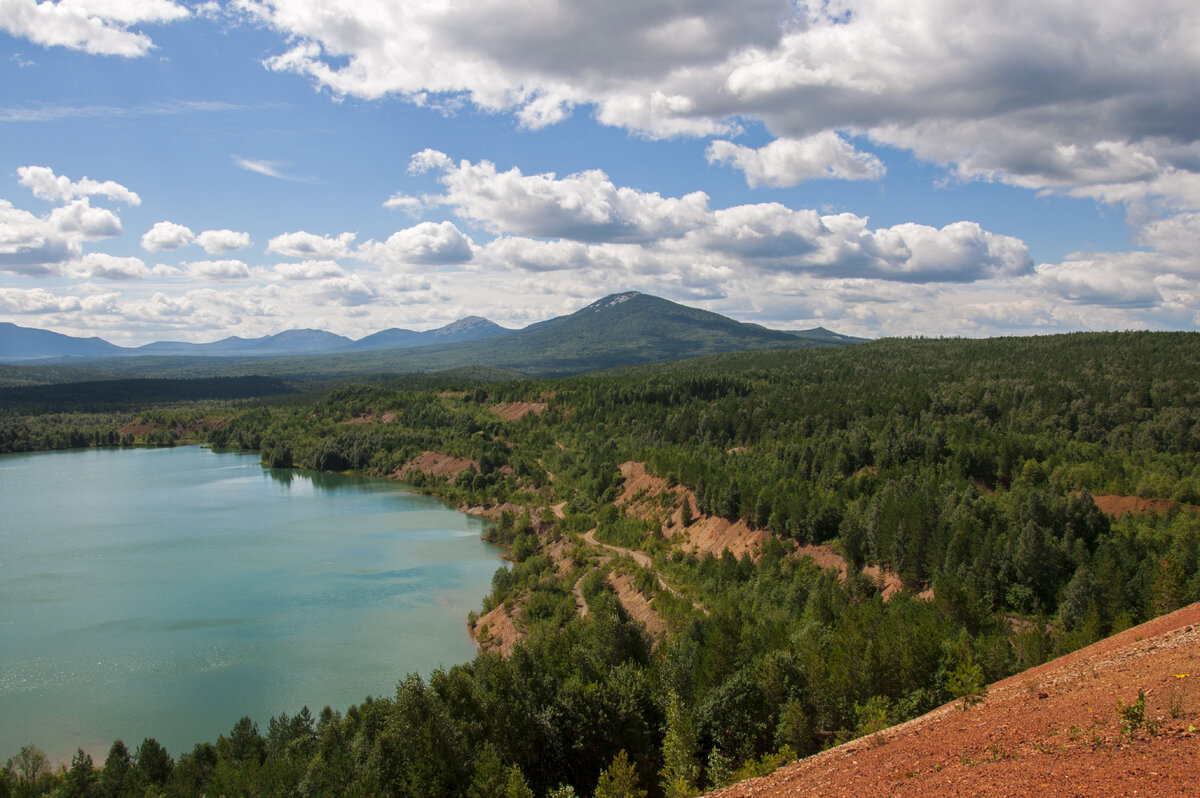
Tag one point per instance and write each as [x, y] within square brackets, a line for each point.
[284, 476]
[319, 480]
[166, 593]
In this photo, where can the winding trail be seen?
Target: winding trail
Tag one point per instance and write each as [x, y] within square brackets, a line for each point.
[639, 557]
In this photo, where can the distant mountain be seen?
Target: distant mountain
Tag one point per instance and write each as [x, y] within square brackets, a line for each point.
[619, 330]
[393, 338]
[299, 341]
[25, 343]
[288, 342]
[628, 328]
[472, 328]
[821, 335]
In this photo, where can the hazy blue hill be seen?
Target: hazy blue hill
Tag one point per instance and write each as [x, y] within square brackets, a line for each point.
[288, 342]
[472, 328]
[618, 330]
[822, 335]
[393, 338]
[225, 346]
[24, 343]
[297, 342]
[629, 328]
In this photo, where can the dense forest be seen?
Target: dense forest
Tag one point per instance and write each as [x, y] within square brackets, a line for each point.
[968, 472]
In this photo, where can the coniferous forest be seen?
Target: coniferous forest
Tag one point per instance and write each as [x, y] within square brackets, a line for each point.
[963, 483]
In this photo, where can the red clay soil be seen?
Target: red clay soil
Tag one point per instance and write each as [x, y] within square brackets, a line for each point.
[824, 556]
[184, 429]
[639, 608]
[886, 577]
[709, 534]
[1117, 506]
[497, 630]
[706, 534]
[639, 480]
[437, 464]
[138, 427]
[515, 411]
[1052, 730]
[370, 419]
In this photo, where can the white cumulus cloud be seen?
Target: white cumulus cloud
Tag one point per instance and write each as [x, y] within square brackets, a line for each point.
[78, 218]
[403, 202]
[57, 188]
[309, 270]
[222, 242]
[311, 247]
[218, 269]
[427, 244]
[99, 27]
[32, 245]
[1085, 97]
[166, 236]
[788, 162]
[40, 245]
[35, 301]
[101, 266]
[584, 207]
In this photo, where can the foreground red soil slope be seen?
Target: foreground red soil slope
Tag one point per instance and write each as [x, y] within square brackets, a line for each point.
[1052, 730]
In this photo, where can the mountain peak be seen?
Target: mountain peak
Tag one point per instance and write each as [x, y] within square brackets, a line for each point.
[612, 300]
[466, 324]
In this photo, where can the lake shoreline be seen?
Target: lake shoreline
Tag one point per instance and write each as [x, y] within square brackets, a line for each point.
[220, 642]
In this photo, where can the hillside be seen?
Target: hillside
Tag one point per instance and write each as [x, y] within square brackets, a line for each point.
[626, 329]
[289, 342]
[1057, 729]
[721, 563]
[619, 330]
[24, 343]
[471, 328]
[27, 343]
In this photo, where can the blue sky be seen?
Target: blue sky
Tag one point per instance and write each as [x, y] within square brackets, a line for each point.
[186, 171]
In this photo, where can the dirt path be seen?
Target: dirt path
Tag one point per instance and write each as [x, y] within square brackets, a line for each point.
[1052, 730]
[637, 556]
[642, 560]
[581, 607]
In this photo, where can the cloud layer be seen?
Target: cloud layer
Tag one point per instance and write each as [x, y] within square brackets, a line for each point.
[99, 27]
[1096, 98]
[554, 243]
[1092, 99]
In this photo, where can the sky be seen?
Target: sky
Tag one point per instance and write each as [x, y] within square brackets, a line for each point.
[173, 170]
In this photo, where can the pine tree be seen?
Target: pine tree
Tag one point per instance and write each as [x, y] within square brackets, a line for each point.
[515, 786]
[490, 779]
[680, 771]
[619, 780]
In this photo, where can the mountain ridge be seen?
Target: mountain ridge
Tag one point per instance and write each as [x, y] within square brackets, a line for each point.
[28, 343]
[621, 329]
[19, 343]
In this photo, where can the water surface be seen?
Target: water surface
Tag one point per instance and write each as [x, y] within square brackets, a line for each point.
[167, 592]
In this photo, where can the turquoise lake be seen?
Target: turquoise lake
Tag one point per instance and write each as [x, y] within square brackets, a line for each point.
[167, 592]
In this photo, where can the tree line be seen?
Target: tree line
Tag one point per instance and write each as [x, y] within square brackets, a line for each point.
[967, 468]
